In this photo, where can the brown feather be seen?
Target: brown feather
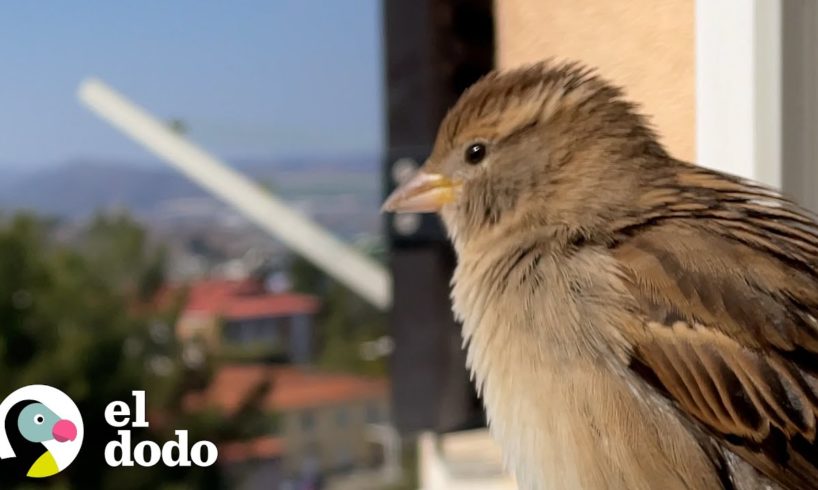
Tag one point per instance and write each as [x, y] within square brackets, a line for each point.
[728, 319]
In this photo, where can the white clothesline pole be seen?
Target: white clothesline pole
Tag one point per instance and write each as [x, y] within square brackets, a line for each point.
[352, 268]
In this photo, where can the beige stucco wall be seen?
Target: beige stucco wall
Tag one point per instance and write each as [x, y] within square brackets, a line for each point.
[647, 46]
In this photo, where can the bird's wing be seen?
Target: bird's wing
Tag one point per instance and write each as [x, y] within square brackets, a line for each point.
[728, 331]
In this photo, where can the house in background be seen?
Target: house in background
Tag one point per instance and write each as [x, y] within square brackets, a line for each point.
[241, 319]
[323, 422]
[323, 426]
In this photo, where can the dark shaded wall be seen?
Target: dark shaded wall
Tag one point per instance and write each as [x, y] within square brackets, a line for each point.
[434, 50]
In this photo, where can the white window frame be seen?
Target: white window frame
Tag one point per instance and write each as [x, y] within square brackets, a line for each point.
[738, 87]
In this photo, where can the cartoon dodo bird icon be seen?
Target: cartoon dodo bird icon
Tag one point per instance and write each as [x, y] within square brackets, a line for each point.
[29, 424]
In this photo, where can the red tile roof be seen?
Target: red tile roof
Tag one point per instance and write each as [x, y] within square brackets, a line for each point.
[258, 448]
[290, 388]
[245, 299]
[269, 305]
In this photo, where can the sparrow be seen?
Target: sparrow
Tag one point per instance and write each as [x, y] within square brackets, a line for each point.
[631, 321]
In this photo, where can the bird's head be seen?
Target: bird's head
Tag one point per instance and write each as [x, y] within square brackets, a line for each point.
[37, 423]
[547, 145]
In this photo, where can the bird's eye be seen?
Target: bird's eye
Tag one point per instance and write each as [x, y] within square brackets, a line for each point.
[475, 153]
[39, 419]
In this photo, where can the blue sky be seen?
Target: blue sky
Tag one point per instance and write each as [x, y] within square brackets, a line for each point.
[251, 78]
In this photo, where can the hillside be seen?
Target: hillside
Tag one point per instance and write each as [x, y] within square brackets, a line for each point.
[343, 193]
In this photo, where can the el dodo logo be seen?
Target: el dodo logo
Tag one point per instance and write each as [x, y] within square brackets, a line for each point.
[42, 433]
[148, 453]
[41, 428]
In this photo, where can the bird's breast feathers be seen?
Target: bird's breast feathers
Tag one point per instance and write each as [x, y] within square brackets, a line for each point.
[549, 365]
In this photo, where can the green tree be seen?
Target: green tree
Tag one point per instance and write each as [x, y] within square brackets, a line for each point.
[80, 318]
[123, 256]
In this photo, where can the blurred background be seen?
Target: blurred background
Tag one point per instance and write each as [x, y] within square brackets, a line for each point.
[189, 205]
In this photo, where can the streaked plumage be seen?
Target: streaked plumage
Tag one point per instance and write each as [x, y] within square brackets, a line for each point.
[632, 321]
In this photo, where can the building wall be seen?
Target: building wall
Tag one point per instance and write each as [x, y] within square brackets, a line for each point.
[286, 337]
[195, 326]
[334, 443]
[252, 475]
[647, 46]
[301, 339]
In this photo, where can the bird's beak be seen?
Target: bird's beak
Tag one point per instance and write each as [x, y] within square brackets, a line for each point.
[423, 193]
[64, 431]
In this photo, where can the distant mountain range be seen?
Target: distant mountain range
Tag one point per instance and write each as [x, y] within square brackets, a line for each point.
[78, 189]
